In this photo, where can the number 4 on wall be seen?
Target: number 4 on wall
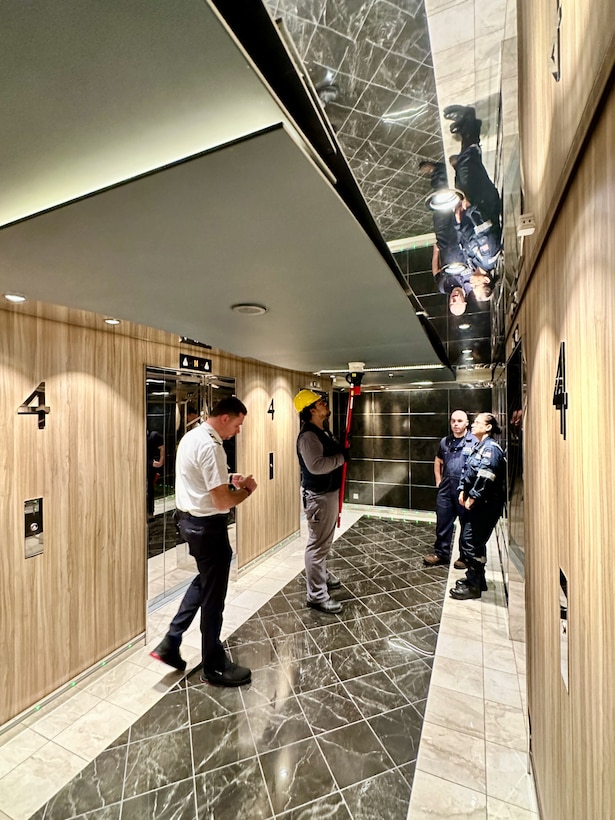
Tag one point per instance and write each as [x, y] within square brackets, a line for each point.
[560, 397]
[28, 408]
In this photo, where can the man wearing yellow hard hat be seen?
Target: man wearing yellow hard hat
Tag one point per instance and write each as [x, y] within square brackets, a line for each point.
[321, 458]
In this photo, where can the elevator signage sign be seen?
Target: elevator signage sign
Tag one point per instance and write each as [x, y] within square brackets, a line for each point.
[195, 363]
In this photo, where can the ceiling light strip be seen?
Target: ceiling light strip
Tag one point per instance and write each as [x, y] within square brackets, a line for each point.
[386, 369]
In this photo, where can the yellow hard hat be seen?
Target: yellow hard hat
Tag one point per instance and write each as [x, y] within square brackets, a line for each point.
[304, 398]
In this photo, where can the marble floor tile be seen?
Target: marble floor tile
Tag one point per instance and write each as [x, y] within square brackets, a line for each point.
[21, 745]
[30, 784]
[505, 725]
[141, 691]
[354, 753]
[499, 657]
[456, 710]
[219, 793]
[502, 687]
[107, 681]
[385, 795]
[331, 724]
[329, 708]
[295, 775]
[458, 676]
[452, 755]
[508, 778]
[499, 810]
[94, 731]
[460, 649]
[434, 798]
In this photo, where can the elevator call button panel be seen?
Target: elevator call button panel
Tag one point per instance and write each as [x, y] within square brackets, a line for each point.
[33, 521]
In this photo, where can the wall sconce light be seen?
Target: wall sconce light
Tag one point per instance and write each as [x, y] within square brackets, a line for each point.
[527, 225]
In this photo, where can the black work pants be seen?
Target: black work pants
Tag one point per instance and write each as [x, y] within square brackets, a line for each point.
[207, 539]
[448, 509]
[472, 178]
[477, 525]
[444, 224]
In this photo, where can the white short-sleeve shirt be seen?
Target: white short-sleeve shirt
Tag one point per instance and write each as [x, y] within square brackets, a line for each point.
[200, 466]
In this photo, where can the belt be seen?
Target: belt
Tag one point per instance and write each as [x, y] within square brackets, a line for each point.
[180, 515]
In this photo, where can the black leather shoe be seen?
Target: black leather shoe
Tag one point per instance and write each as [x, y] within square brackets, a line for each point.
[333, 582]
[464, 593]
[434, 561]
[167, 651]
[331, 607]
[230, 675]
[463, 583]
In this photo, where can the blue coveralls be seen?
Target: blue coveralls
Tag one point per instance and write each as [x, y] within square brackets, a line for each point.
[453, 452]
[483, 479]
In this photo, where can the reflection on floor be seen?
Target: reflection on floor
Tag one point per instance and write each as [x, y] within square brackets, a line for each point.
[330, 726]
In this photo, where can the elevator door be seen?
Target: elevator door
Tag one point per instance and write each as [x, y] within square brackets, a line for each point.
[175, 403]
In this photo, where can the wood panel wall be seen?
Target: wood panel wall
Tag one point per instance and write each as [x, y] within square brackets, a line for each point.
[554, 117]
[85, 596]
[570, 484]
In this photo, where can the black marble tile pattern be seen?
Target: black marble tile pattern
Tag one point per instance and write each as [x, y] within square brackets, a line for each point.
[330, 725]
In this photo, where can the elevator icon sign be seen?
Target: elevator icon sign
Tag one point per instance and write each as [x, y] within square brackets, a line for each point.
[194, 363]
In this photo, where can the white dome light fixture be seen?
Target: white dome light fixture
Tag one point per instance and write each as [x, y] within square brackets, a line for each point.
[16, 298]
[249, 309]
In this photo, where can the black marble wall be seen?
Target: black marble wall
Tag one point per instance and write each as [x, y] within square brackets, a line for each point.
[395, 437]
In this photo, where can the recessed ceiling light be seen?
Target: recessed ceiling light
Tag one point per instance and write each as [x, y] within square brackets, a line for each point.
[112, 322]
[250, 309]
[464, 326]
[15, 297]
[467, 350]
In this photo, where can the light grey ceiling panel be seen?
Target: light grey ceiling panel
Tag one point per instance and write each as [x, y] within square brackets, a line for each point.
[93, 93]
[255, 221]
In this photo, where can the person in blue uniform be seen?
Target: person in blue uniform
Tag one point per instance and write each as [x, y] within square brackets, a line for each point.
[482, 492]
[448, 464]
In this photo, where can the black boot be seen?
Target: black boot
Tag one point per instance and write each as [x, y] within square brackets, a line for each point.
[167, 651]
[464, 592]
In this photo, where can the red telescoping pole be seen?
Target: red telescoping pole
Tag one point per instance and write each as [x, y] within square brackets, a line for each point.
[355, 380]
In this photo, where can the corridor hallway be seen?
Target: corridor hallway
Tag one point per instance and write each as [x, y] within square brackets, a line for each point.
[331, 724]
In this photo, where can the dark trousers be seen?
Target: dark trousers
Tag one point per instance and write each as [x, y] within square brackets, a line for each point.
[207, 539]
[152, 472]
[477, 525]
[448, 510]
[444, 223]
[472, 178]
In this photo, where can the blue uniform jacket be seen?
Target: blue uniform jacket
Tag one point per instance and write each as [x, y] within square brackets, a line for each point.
[484, 474]
[453, 452]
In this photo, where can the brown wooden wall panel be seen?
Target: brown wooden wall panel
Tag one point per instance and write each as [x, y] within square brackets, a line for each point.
[570, 504]
[85, 596]
[554, 116]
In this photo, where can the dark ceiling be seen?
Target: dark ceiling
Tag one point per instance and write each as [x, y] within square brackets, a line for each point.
[373, 57]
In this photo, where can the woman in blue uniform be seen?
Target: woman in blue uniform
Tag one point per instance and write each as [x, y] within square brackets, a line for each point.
[482, 492]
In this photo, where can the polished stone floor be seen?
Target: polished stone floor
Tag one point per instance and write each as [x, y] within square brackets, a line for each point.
[330, 725]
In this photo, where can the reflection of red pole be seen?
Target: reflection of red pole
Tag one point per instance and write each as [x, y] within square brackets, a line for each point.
[355, 380]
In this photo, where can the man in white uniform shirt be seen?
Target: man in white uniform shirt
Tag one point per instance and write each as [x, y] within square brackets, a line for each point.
[203, 499]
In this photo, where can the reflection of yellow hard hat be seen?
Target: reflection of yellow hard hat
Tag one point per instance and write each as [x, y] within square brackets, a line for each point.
[304, 398]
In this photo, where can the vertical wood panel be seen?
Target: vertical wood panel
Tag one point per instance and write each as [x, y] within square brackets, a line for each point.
[554, 116]
[85, 596]
[570, 507]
